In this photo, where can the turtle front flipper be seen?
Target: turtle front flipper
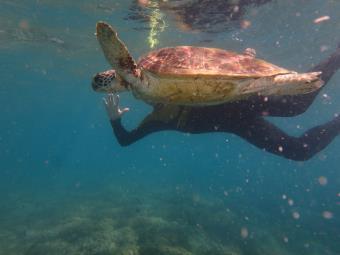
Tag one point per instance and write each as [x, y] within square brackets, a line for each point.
[116, 52]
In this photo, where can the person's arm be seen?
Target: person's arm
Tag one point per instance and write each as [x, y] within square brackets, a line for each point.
[124, 137]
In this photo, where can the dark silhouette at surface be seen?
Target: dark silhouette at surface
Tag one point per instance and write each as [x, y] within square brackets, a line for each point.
[245, 119]
[197, 15]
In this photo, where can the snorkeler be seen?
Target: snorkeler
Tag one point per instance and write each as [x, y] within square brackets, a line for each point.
[243, 118]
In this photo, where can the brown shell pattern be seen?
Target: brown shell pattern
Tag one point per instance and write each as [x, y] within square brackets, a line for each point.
[188, 60]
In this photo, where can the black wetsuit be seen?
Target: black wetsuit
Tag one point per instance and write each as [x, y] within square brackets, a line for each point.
[245, 119]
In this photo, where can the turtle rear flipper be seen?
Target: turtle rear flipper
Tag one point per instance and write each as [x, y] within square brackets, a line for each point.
[284, 84]
[115, 51]
[297, 83]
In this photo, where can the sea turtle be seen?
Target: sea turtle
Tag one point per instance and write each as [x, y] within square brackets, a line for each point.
[188, 75]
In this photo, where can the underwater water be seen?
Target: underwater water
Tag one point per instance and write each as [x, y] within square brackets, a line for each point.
[68, 187]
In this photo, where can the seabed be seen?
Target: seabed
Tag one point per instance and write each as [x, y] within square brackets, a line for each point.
[135, 222]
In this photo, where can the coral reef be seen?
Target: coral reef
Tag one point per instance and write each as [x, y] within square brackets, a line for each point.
[142, 223]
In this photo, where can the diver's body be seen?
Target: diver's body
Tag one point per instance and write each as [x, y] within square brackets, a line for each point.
[243, 118]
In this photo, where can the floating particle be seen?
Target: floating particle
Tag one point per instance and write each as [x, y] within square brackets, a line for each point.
[280, 148]
[327, 215]
[23, 24]
[296, 215]
[56, 40]
[196, 198]
[225, 193]
[324, 48]
[265, 113]
[236, 8]
[285, 239]
[284, 196]
[291, 202]
[245, 24]
[321, 19]
[322, 157]
[326, 96]
[322, 180]
[244, 232]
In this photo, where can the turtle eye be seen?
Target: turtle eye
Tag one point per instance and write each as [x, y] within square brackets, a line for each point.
[98, 82]
[98, 79]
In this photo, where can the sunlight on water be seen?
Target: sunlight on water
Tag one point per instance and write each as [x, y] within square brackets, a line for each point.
[157, 23]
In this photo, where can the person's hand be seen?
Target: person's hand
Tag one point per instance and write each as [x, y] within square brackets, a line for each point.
[111, 103]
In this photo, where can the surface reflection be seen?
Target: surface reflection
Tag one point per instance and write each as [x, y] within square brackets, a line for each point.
[210, 16]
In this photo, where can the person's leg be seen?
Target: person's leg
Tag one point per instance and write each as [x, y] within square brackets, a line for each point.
[294, 105]
[268, 137]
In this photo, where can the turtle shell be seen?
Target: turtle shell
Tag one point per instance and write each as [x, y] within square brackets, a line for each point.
[200, 61]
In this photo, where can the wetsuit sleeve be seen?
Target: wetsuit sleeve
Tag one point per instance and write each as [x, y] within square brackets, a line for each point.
[268, 137]
[126, 138]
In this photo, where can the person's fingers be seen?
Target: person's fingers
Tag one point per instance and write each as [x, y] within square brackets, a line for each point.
[115, 98]
[125, 109]
[111, 98]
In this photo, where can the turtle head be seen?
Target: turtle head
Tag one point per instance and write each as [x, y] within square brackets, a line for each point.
[108, 82]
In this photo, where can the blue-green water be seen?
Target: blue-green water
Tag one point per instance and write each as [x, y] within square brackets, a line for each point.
[67, 187]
